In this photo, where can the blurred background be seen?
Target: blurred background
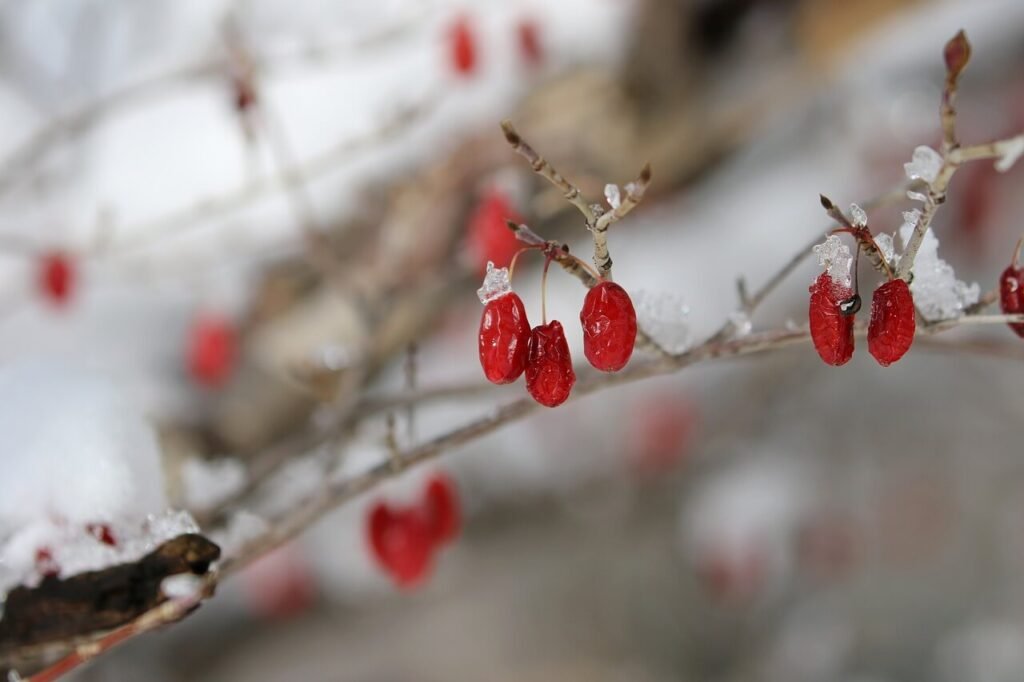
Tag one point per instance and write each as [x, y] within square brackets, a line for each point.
[261, 218]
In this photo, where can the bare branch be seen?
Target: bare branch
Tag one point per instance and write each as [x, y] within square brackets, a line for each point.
[544, 169]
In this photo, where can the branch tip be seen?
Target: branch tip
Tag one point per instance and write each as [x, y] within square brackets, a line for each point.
[956, 54]
[510, 132]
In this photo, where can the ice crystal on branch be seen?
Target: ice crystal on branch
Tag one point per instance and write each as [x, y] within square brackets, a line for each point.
[858, 215]
[496, 283]
[938, 294]
[664, 318]
[612, 195]
[888, 249]
[925, 164]
[834, 256]
[1013, 151]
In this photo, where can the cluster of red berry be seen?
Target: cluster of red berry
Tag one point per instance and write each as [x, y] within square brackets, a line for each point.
[509, 347]
[403, 540]
[832, 310]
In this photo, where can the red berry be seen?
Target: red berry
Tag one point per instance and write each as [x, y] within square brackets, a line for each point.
[549, 375]
[504, 338]
[280, 584]
[463, 47]
[831, 330]
[609, 327]
[211, 350]
[101, 532]
[45, 563]
[530, 48]
[441, 510]
[892, 326]
[488, 237]
[57, 277]
[401, 542]
[1011, 295]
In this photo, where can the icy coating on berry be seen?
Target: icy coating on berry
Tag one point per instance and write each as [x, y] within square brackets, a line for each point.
[496, 283]
[834, 256]
[892, 326]
[831, 331]
[504, 338]
[549, 373]
[609, 327]
[1011, 296]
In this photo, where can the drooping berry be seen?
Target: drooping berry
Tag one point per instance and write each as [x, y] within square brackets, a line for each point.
[487, 236]
[401, 543]
[549, 373]
[504, 338]
[1011, 295]
[530, 48]
[441, 509]
[463, 47]
[211, 350]
[57, 277]
[609, 327]
[892, 326]
[831, 330]
[504, 330]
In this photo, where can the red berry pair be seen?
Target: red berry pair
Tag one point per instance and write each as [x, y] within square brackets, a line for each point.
[832, 309]
[403, 540]
[464, 52]
[1011, 295]
[508, 347]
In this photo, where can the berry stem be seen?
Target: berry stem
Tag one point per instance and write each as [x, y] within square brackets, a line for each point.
[1016, 251]
[544, 291]
[512, 264]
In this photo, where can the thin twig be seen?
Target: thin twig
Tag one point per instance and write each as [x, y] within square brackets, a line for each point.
[544, 169]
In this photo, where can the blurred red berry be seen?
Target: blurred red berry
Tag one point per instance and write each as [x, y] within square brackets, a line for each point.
[504, 338]
[463, 47]
[609, 327]
[662, 430]
[401, 543]
[831, 329]
[101, 532]
[487, 235]
[441, 510]
[530, 48]
[280, 584]
[57, 277]
[1011, 297]
[45, 564]
[211, 350]
[735, 576]
[892, 326]
[549, 373]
